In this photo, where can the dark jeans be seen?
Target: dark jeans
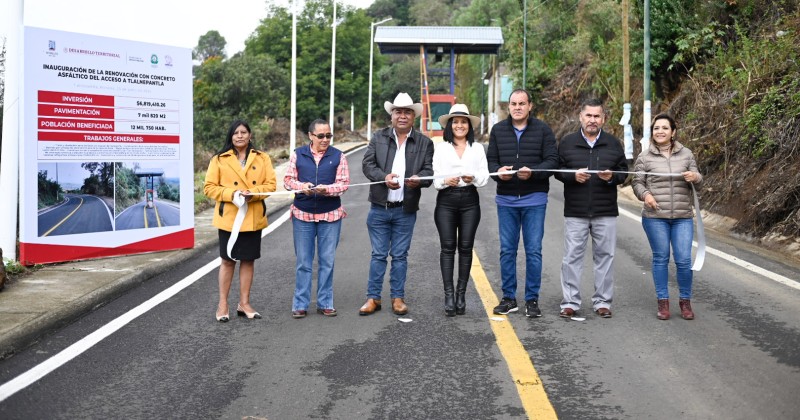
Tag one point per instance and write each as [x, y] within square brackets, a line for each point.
[457, 215]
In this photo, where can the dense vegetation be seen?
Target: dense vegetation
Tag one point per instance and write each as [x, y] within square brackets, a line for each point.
[100, 180]
[50, 192]
[128, 188]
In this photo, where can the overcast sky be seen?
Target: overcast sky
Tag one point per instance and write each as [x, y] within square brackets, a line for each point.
[170, 22]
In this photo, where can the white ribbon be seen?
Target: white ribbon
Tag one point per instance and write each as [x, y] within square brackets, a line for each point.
[700, 257]
[241, 203]
[239, 200]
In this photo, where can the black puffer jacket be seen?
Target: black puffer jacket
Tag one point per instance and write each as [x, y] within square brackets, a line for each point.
[595, 198]
[536, 149]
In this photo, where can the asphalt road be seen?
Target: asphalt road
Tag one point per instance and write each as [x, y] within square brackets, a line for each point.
[739, 359]
[81, 213]
[139, 216]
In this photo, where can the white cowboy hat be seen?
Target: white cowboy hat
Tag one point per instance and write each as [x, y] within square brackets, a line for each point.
[459, 110]
[403, 101]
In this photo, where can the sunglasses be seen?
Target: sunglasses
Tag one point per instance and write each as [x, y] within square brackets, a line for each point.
[323, 136]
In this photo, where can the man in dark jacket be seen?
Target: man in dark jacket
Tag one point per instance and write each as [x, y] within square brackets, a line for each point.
[590, 207]
[397, 155]
[527, 145]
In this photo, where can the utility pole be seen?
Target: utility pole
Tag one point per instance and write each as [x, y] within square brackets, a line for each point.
[371, 53]
[626, 54]
[626, 84]
[524, 43]
[293, 94]
[333, 73]
[647, 104]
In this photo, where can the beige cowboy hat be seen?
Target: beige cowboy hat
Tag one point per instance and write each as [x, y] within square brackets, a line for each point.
[403, 101]
[459, 110]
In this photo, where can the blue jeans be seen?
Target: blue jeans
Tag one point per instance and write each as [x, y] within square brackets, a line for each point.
[309, 236]
[676, 232]
[390, 232]
[529, 220]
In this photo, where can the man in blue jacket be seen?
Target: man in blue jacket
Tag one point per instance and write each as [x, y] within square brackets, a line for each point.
[522, 143]
[590, 207]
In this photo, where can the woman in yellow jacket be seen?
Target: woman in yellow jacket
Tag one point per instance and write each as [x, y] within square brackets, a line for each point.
[238, 167]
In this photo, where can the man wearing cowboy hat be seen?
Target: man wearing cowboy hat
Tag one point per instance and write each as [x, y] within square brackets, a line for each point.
[396, 155]
[524, 144]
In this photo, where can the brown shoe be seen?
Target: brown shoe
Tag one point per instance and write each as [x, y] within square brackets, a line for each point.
[399, 307]
[567, 313]
[663, 309]
[327, 312]
[603, 312]
[686, 309]
[370, 307]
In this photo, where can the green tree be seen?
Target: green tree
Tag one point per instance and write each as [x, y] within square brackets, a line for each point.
[314, 34]
[471, 68]
[250, 87]
[101, 180]
[397, 9]
[48, 191]
[168, 192]
[128, 188]
[212, 44]
[430, 13]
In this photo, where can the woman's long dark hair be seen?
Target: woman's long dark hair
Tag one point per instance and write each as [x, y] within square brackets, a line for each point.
[448, 131]
[229, 140]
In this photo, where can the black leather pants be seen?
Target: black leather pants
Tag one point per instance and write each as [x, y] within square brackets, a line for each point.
[457, 215]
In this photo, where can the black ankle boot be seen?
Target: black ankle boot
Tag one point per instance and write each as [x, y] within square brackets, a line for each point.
[461, 303]
[449, 304]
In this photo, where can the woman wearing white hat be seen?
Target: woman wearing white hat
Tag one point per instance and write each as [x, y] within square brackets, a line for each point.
[458, 210]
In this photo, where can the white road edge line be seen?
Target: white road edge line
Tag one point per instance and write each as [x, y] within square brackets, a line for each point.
[39, 371]
[42, 369]
[728, 257]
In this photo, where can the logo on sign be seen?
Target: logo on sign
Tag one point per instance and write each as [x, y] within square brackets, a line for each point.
[51, 49]
[153, 59]
[168, 60]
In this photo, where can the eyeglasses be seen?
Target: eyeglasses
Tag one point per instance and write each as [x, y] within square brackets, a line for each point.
[323, 136]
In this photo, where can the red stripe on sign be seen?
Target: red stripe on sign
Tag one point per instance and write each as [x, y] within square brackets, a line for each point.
[73, 124]
[106, 137]
[75, 98]
[47, 110]
[30, 254]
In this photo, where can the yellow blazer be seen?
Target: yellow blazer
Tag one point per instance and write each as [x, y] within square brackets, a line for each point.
[225, 176]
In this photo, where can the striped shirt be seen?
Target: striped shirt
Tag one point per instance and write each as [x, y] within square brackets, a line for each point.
[290, 182]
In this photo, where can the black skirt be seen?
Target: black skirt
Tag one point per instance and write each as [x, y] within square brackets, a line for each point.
[247, 247]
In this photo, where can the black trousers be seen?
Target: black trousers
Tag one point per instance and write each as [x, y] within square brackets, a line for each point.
[457, 215]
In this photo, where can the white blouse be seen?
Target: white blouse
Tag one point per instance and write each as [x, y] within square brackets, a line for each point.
[472, 162]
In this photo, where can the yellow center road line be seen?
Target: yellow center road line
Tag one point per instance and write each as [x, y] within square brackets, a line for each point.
[529, 385]
[64, 219]
[144, 214]
[158, 219]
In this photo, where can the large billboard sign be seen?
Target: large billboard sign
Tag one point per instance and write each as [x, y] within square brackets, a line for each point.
[106, 147]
